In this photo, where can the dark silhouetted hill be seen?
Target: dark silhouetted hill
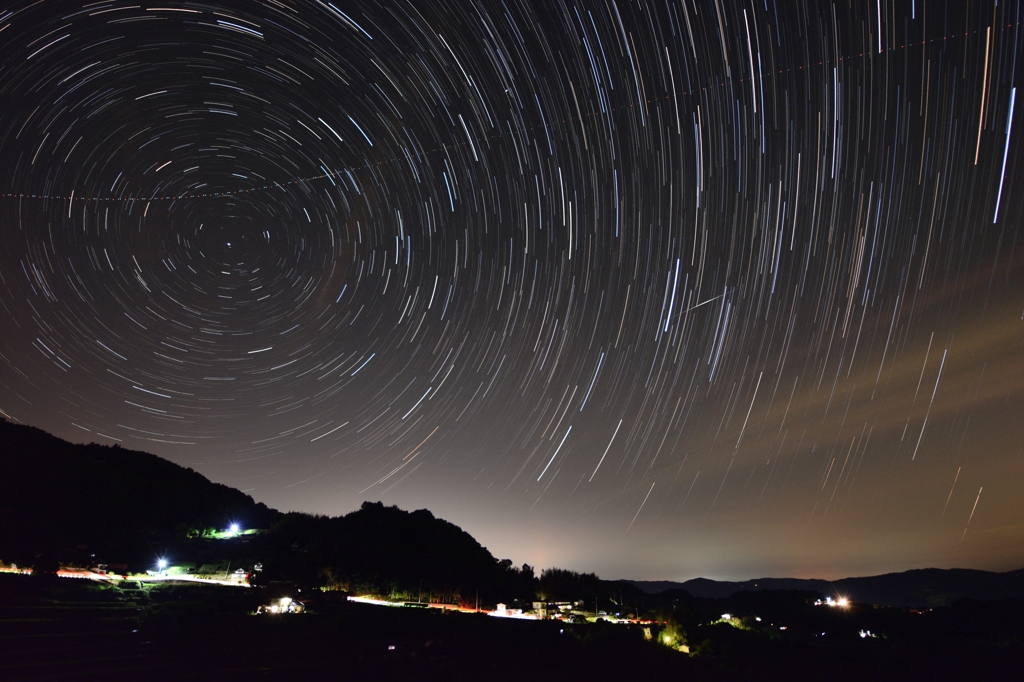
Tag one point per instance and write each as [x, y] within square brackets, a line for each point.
[386, 550]
[57, 496]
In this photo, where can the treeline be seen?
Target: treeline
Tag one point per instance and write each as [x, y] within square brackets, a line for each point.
[414, 556]
[389, 552]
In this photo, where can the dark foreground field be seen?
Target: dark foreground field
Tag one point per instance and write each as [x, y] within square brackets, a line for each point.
[62, 629]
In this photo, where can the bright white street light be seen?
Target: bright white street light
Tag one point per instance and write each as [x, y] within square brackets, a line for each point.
[234, 528]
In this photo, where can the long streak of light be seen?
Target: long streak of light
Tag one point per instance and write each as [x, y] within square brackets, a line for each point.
[1006, 150]
[972, 513]
[641, 507]
[951, 491]
[605, 451]
[554, 455]
[929, 411]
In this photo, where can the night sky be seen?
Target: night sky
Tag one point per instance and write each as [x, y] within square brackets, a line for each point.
[652, 289]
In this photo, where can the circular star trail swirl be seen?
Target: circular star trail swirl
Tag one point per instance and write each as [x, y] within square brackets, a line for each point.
[654, 289]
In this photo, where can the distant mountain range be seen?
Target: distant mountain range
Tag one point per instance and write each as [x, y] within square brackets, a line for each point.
[61, 501]
[920, 588]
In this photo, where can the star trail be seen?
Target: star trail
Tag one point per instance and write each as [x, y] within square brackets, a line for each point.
[652, 289]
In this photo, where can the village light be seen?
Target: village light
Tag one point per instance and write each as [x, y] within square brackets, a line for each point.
[161, 564]
[234, 528]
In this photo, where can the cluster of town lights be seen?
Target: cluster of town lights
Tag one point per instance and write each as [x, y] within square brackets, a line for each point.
[841, 602]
